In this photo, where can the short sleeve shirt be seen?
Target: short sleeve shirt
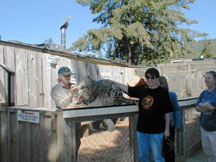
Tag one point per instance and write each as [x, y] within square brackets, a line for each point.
[153, 105]
[208, 119]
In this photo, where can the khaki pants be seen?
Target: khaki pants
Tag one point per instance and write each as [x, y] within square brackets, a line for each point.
[209, 144]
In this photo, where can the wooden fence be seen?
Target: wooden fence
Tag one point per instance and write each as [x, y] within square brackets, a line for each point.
[48, 134]
[36, 72]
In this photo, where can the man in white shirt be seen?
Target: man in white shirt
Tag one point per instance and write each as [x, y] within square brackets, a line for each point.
[62, 93]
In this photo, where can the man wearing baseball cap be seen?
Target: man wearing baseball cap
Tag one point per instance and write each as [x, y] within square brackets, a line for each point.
[62, 93]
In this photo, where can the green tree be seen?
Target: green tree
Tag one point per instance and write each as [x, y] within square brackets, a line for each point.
[138, 31]
[208, 51]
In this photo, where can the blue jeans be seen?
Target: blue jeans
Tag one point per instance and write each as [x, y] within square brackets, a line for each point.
[150, 144]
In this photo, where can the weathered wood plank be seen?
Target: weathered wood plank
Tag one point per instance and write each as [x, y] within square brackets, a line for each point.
[3, 86]
[67, 145]
[104, 72]
[60, 122]
[128, 73]
[75, 71]
[39, 79]
[47, 82]
[82, 71]
[22, 142]
[28, 152]
[10, 56]
[49, 145]
[93, 71]
[2, 55]
[22, 83]
[42, 140]
[4, 149]
[14, 130]
[35, 141]
[32, 78]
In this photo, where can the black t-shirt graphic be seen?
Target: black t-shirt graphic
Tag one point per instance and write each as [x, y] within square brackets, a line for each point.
[153, 104]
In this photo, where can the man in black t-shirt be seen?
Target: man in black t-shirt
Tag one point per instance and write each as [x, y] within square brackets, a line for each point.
[153, 105]
[154, 116]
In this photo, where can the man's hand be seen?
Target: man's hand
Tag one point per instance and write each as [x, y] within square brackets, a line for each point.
[74, 89]
[80, 99]
[199, 109]
[166, 134]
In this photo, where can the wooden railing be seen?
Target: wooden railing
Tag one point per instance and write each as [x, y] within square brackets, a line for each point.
[188, 140]
[48, 134]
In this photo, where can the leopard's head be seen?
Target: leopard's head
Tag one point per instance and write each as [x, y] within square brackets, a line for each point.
[87, 89]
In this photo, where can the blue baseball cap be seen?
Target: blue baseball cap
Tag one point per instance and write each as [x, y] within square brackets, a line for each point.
[64, 71]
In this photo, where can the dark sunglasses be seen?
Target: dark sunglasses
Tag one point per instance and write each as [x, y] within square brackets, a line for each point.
[152, 77]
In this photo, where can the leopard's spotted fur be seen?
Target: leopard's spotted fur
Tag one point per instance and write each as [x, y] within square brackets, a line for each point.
[101, 93]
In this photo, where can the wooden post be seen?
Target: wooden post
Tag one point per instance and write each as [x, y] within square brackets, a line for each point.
[3, 134]
[133, 139]
[60, 136]
[74, 151]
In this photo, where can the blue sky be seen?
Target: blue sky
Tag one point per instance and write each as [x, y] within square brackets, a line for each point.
[34, 21]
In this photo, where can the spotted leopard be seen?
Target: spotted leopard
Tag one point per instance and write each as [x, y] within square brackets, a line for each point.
[102, 93]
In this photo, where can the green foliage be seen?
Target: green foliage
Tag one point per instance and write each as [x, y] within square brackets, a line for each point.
[138, 31]
[200, 45]
[208, 51]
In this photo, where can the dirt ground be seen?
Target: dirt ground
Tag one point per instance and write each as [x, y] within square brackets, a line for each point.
[106, 146]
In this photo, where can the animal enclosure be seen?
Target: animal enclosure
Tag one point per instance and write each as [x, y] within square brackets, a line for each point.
[48, 134]
[51, 137]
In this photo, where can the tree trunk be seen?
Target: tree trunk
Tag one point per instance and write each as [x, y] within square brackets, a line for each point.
[130, 58]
